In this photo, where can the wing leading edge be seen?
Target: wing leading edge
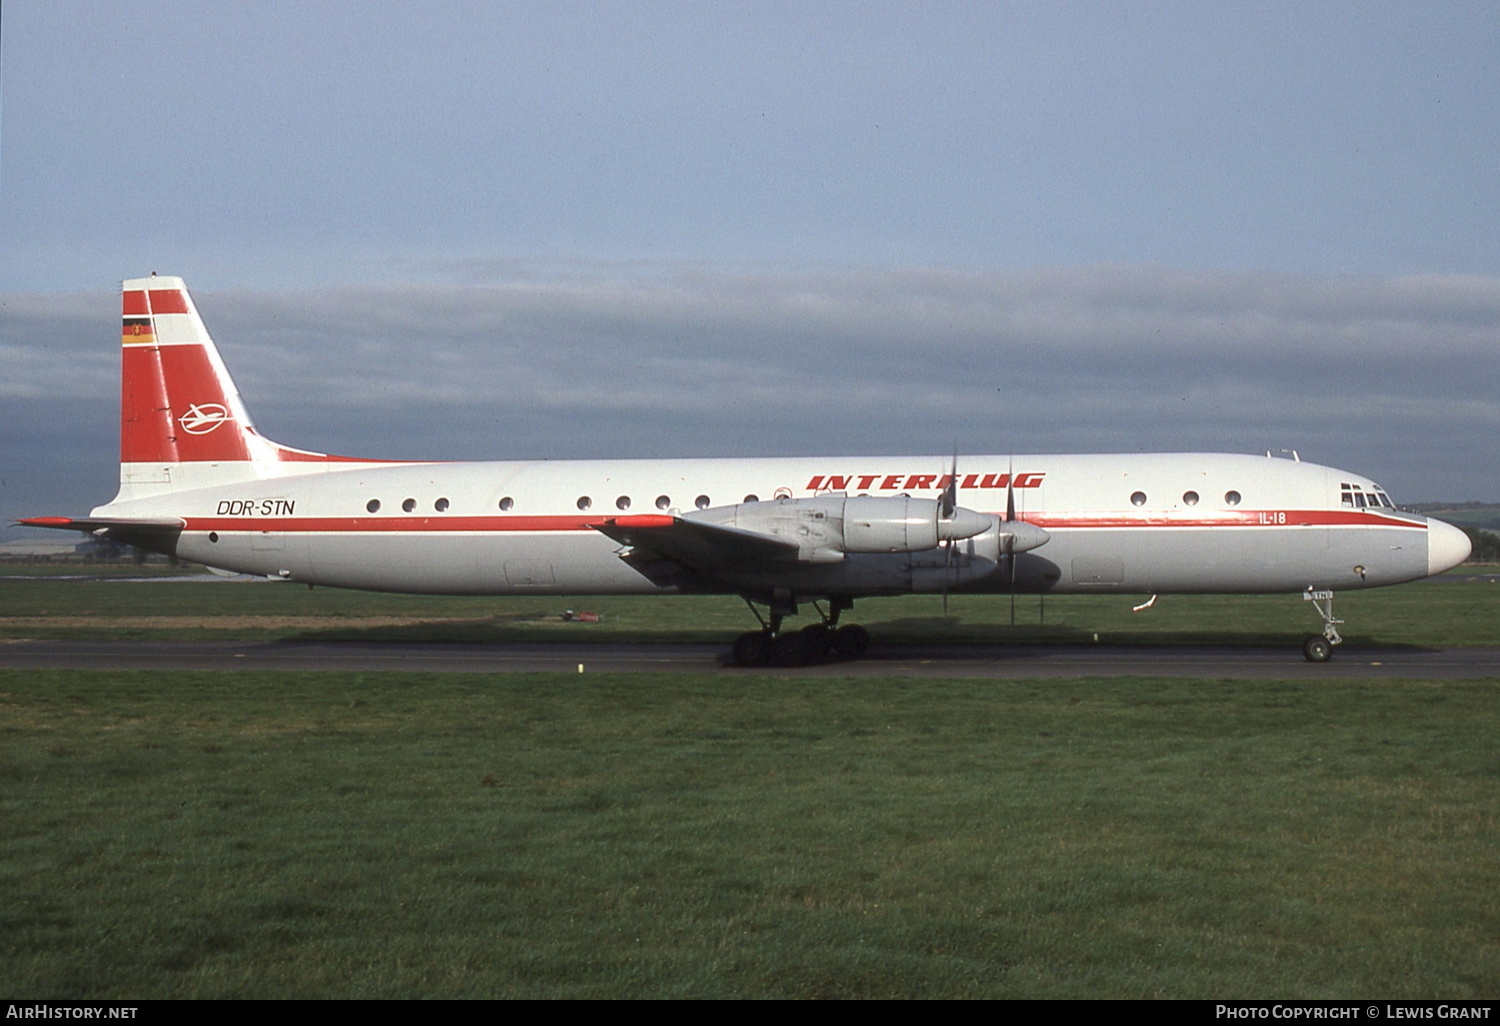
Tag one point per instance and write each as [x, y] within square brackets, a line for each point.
[698, 546]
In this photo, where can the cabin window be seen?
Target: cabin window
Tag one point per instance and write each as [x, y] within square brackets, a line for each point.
[507, 504]
[663, 502]
[441, 505]
[623, 502]
[585, 503]
[701, 502]
[213, 536]
[373, 505]
[1138, 499]
[1190, 498]
[409, 504]
[1231, 498]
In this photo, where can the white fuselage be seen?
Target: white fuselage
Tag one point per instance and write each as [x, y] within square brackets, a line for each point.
[1160, 523]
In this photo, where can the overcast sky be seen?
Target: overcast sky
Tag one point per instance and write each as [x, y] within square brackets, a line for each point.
[441, 230]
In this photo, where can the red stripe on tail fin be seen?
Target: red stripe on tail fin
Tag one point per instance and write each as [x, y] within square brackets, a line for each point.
[177, 402]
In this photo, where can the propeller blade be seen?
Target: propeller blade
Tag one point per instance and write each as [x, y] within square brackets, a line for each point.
[1010, 491]
[947, 508]
[1010, 555]
[1010, 539]
[948, 501]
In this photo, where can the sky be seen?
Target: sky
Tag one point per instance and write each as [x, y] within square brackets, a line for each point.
[553, 230]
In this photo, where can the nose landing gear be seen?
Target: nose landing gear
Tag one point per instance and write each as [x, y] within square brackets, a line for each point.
[1319, 647]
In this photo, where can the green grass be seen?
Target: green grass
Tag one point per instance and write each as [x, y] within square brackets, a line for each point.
[339, 835]
[1421, 614]
[155, 567]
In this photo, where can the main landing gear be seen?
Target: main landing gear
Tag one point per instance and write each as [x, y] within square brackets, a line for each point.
[1319, 647]
[775, 647]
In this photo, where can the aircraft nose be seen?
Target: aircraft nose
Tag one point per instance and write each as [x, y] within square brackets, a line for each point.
[1447, 547]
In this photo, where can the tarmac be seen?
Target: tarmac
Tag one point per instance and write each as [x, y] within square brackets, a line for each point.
[945, 661]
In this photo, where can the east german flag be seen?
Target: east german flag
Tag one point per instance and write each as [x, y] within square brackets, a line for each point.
[138, 332]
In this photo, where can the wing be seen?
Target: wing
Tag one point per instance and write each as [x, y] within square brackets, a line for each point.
[770, 544]
[704, 548]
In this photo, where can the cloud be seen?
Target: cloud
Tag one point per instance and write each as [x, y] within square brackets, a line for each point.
[1394, 377]
[60, 346]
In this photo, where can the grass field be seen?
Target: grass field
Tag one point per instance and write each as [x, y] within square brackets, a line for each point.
[391, 835]
[195, 835]
[1422, 614]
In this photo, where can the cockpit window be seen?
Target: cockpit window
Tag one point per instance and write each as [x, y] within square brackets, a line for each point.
[1354, 495]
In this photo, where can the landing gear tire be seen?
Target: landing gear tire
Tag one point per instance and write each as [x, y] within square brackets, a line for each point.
[753, 648]
[819, 639]
[851, 641]
[1317, 649]
[794, 648]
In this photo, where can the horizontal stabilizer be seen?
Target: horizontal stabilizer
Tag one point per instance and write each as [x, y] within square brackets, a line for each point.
[130, 530]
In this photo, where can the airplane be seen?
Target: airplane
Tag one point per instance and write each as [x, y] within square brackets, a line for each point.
[198, 482]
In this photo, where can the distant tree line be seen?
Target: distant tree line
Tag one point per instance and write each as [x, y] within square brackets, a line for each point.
[1438, 507]
[1484, 515]
[1486, 545]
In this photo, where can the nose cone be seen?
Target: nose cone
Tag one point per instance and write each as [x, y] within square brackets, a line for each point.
[1447, 547]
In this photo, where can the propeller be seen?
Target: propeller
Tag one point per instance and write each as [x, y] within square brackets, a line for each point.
[1008, 538]
[947, 507]
[1016, 536]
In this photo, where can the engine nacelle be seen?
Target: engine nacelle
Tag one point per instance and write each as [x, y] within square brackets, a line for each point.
[827, 527]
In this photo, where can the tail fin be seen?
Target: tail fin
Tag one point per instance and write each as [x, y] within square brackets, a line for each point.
[182, 422]
[178, 403]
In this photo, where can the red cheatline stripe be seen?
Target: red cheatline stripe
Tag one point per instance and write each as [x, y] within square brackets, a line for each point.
[382, 525]
[506, 524]
[1250, 518]
[300, 456]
